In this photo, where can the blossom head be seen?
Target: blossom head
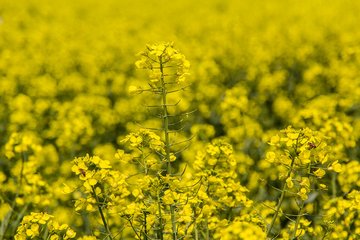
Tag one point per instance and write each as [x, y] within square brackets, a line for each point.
[163, 60]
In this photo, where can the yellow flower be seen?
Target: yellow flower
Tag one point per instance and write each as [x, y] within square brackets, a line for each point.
[270, 156]
[88, 238]
[63, 226]
[305, 182]
[157, 57]
[79, 167]
[274, 140]
[92, 181]
[305, 157]
[336, 166]
[212, 161]
[133, 89]
[104, 164]
[33, 231]
[289, 183]
[323, 186]
[213, 150]
[90, 208]
[135, 192]
[303, 194]
[319, 173]
[172, 157]
[66, 189]
[293, 135]
[170, 197]
[70, 233]
[135, 140]
[54, 237]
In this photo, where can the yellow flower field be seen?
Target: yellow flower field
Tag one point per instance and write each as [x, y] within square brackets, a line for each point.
[179, 119]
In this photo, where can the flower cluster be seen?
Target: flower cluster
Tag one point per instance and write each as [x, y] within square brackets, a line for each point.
[303, 159]
[43, 225]
[349, 178]
[101, 185]
[21, 143]
[219, 194]
[341, 217]
[239, 230]
[215, 166]
[163, 60]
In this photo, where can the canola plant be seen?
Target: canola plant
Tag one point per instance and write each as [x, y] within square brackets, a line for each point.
[179, 120]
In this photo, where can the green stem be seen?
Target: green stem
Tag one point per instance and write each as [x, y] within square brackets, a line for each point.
[167, 149]
[133, 228]
[277, 209]
[281, 199]
[13, 205]
[173, 222]
[207, 229]
[333, 185]
[145, 226]
[144, 161]
[165, 116]
[161, 229]
[23, 160]
[196, 231]
[297, 221]
[106, 226]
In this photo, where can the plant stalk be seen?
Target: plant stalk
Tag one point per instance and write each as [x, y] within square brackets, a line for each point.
[106, 226]
[297, 220]
[333, 185]
[173, 222]
[165, 117]
[161, 228]
[281, 199]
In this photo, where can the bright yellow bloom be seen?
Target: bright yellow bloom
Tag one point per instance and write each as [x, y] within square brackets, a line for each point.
[336, 167]
[319, 173]
[303, 194]
[289, 183]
